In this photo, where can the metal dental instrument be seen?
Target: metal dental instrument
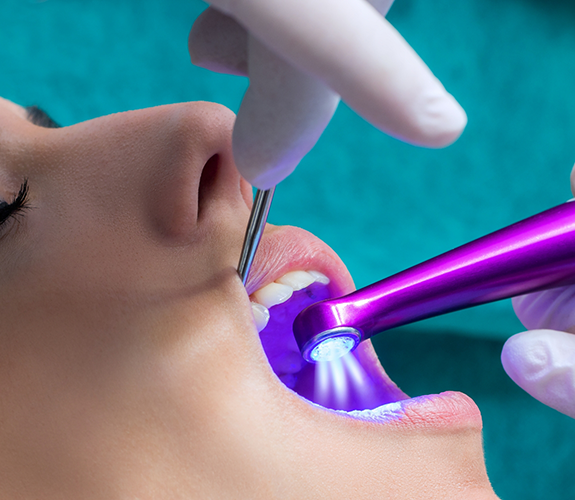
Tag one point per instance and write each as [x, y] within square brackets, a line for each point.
[256, 225]
[534, 254]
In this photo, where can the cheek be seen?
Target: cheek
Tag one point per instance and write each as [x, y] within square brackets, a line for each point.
[77, 247]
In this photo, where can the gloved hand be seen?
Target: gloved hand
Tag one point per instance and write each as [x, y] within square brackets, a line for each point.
[542, 360]
[301, 56]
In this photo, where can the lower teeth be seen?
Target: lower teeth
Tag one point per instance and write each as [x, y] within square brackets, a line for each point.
[261, 315]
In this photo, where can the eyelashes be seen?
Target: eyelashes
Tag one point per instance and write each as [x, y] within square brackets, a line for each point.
[15, 208]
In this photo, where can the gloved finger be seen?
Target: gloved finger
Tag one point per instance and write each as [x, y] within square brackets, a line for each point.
[542, 362]
[357, 53]
[550, 309]
[219, 43]
[282, 115]
[382, 6]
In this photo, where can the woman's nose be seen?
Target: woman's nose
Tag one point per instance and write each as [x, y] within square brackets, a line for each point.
[196, 175]
[158, 172]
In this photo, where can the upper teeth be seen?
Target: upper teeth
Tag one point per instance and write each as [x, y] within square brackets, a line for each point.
[281, 290]
[296, 279]
[272, 294]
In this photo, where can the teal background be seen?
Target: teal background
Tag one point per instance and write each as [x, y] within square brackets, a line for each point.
[382, 205]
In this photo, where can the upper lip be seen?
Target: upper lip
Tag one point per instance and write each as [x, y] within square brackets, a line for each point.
[287, 248]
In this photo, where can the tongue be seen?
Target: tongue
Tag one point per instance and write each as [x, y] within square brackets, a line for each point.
[355, 382]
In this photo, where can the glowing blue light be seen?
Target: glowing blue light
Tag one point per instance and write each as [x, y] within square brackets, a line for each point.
[332, 348]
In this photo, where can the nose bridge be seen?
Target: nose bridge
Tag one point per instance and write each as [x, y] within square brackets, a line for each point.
[194, 129]
[164, 138]
[143, 166]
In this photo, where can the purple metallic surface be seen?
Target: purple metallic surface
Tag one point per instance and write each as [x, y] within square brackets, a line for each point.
[535, 254]
[348, 383]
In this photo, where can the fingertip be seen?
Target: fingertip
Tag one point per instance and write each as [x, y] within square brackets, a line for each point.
[440, 120]
[263, 178]
[542, 363]
[524, 356]
[218, 43]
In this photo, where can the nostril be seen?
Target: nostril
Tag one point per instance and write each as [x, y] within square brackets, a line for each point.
[207, 183]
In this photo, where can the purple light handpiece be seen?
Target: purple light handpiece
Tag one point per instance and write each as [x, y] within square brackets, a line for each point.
[534, 254]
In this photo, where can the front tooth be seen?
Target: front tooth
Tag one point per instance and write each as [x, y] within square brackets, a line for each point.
[261, 315]
[296, 279]
[272, 294]
[319, 277]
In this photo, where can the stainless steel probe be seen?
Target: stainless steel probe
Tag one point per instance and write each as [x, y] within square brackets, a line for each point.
[256, 225]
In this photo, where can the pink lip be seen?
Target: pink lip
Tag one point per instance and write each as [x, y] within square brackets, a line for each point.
[447, 410]
[284, 249]
[438, 411]
[287, 248]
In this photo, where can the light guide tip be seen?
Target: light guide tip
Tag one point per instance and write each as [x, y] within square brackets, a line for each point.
[333, 348]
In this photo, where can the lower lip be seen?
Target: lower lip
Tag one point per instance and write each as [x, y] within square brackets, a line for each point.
[434, 411]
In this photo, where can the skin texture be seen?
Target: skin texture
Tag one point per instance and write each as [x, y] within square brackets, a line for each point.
[129, 363]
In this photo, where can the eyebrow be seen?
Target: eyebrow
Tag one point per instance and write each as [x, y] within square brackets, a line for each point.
[39, 117]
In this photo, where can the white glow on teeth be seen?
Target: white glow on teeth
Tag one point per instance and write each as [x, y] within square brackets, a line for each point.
[281, 290]
[296, 279]
[261, 315]
[273, 294]
[319, 277]
[382, 414]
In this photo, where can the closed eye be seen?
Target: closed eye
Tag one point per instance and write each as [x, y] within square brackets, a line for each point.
[14, 208]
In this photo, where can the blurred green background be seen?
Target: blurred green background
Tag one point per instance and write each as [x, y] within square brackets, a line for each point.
[382, 205]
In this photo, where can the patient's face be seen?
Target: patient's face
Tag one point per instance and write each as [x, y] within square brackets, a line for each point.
[131, 363]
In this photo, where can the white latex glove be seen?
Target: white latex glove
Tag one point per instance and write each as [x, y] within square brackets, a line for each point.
[301, 56]
[542, 361]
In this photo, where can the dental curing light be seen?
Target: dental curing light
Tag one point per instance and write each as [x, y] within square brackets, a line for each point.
[535, 254]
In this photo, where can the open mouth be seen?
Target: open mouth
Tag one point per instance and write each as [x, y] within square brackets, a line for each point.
[354, 382]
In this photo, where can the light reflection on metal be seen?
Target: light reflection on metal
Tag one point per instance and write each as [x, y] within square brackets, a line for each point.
[535, 254]
[254, 231]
